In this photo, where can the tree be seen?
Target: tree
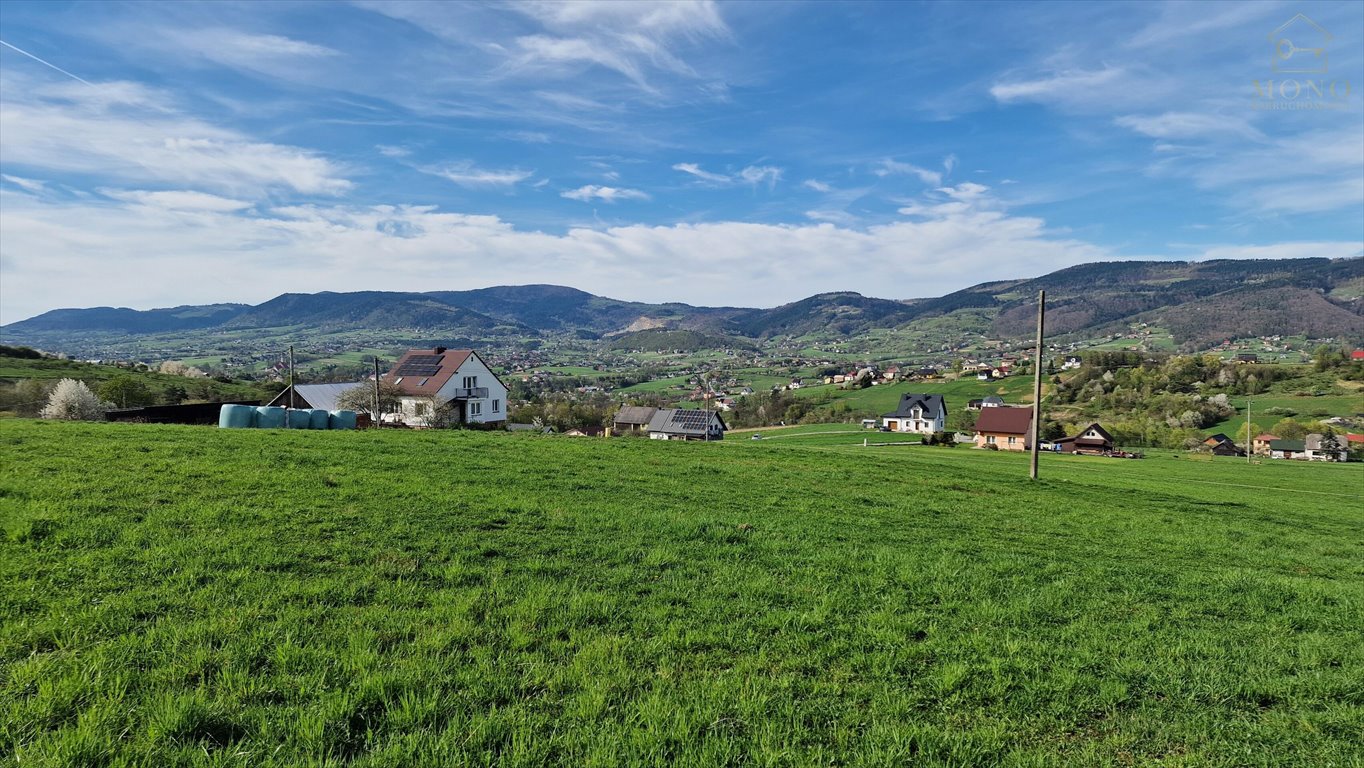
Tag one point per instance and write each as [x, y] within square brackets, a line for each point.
[1288, 429]
[1330, 445]
[74, 401]
[174, 395]
[30, 395]
[361, 399]
[125, 392]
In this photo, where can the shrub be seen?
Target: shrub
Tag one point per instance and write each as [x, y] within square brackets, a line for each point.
[74, 401]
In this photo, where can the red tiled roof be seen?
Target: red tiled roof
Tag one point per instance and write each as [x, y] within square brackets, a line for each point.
[450, 361]
[1267, 437]
[1004, 420]
[1354, 438]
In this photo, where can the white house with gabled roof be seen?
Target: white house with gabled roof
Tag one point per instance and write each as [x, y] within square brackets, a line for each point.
[443, 387]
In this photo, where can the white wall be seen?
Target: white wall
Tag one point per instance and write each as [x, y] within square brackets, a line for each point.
[497, 394]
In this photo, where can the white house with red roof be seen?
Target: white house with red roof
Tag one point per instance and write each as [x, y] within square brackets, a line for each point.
[443, 387]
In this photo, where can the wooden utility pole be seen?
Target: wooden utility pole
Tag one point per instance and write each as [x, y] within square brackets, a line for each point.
[1250, 438]
[1037, 385]
[376, 391]
[290, 410]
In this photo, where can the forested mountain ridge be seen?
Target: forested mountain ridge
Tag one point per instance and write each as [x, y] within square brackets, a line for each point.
[1197, 302]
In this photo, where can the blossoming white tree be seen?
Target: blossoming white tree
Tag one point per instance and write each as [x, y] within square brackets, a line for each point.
[74, 401]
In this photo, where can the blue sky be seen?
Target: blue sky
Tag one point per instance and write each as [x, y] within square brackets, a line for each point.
[738, 153]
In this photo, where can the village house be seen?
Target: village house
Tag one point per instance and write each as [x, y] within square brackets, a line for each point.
[1072, 362]
[632, 419]
[1221, 445]
[924, 414]
[1316, 449]
[1287, 449]
[986, 402]
[1093, 439]
[1260, 445]
[1005, 428]
[443, 387]
[686, 424]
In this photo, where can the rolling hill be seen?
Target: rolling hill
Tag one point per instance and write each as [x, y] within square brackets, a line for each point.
[1198, 302]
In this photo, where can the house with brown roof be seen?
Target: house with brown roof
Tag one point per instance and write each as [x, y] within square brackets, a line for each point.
[1260, 445]
[446, 387]
[1008, 429]
[1093, 439]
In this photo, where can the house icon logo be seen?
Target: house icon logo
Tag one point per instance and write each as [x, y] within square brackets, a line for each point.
[1299, 46]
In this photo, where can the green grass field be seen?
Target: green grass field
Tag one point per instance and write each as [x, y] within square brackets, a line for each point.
[191, 596]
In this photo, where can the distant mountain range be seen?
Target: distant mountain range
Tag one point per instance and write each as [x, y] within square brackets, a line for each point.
[1197, 302]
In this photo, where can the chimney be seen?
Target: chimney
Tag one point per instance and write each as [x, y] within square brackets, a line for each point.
[440, 350]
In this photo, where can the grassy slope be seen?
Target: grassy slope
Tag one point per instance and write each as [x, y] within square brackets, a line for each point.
[47, 369]
[463, 598]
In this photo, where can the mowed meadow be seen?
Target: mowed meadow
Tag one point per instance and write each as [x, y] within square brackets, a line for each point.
[190, 596]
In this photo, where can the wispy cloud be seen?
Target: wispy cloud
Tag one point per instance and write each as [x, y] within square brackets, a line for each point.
[1181, 125]
[816, 185]
[592, 192]
[178, 200]
[889, 167]
[1056, 85]
[759, 174]
[129, 130]
[466, 174]
[31, 185]
[695, 170]
[752, 174]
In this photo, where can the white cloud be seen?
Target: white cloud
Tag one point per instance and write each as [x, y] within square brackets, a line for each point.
[133, 133]
[695, 170]
[1316, 171]
[31, 185]
[466, 174]
[391, 151]
[752, 174]
[889, 167]
[1057, 85]
[832, 216]
[757, 174]
[1291, 250]
[606, 194]
[816, 185]
[1181, 125]
[178, 200]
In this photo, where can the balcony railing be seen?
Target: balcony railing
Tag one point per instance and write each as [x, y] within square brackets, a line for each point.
[470, 393]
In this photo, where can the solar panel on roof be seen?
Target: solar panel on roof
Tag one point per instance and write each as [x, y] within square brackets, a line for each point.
[420, 365]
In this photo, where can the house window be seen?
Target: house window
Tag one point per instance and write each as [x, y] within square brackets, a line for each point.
[470, 382]
[419, 409]
[475, 409]
[1012, 440]
[497, 406]
[990, 439]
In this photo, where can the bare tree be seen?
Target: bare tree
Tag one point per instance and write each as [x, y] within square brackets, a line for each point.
[361, 399]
